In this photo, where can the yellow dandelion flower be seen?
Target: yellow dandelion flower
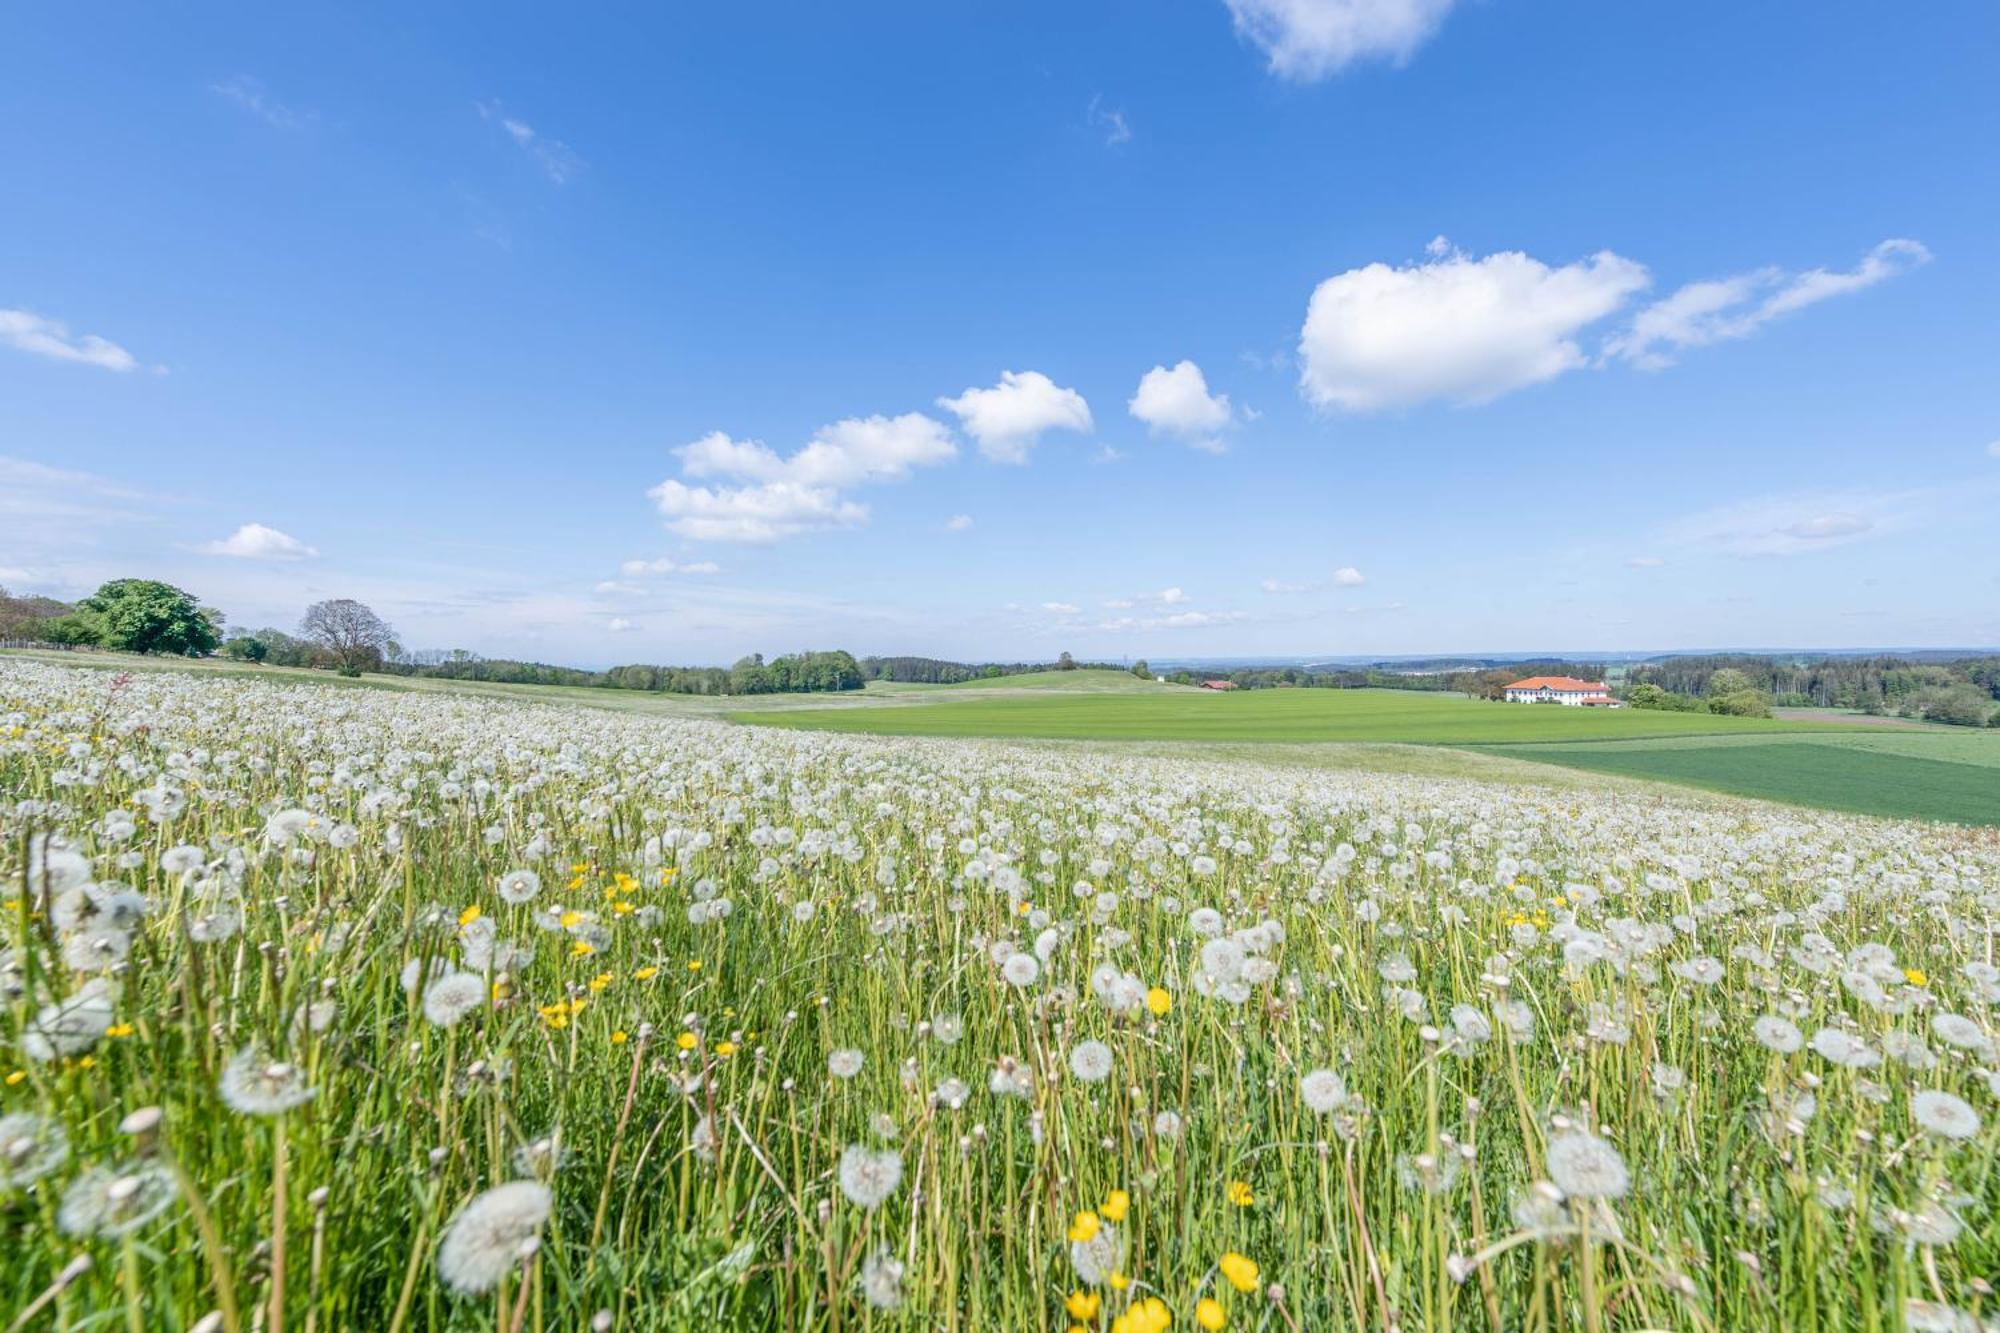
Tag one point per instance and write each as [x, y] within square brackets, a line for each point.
[1115, 1204]
[1209, 1314]
[1241, 1194]
[1083, 1227]
[646, 974]
[725, 1049]
[1159, 1001]
[687, 1041]
[618, 1038]
[1916, 976]
[580, 948]
[1240, 1270]
[1083, 1305]
[469, 915]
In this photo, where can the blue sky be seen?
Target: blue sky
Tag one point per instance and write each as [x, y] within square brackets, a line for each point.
[670, 333]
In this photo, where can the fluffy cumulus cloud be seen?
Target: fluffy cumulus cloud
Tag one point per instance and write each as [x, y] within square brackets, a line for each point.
[1311, 39]
[958, 523]
[1467, 329]
[1278, 587]
[1008, 419]
[1177, 403]
[620, 625]
[1347, 576]
[1062, 608]
[1721, 309]
[26, 331]
[766, 497]
[254, 541]
[1453, 327]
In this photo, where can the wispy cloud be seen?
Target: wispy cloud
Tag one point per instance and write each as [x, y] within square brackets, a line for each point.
[1723, 309]
[557, 160]
[1111, 120]
[26, 331]
[249, 93]
[1798, 524]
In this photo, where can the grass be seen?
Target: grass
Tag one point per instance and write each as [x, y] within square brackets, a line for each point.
[1314, 1047]
[1828, 775]
[1394, 716]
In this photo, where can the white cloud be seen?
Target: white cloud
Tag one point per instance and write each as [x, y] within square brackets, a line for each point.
[1347, 576]
[1120, 604]
[1276, 586]
[249, 94]
[254, 541]
[1310, 39]
[1994, 448]
[619, 625]
[639, 569]
[766, 513]
[784, 497]
[27, 331]
[1061, 608]
[1111, 120]
[958, 523]
[622, 589]
[1172, 597]
[1453, 327]
[1799, 524]
[1178, 620]
[558, 161]
[1722, 309]
[1010, 417]
[1177, 402]
[1645, 562]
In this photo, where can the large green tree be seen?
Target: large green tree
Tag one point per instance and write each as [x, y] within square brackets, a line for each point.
[147, 616]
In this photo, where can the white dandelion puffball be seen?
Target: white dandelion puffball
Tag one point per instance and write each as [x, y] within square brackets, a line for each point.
[1777, 1034]
[485, 1237]
[453, 996]
[1845, 1050]
[1096, 1259]
[844, 1063]
[868, 1176]
[1021, 969]
[115, 1202]
[882, 1280]
[1584, 1166]
[1323, 1091]
[1091, 1061]
[255, 1085]
[1944, 1114]
[30, 1148]
[519, 886]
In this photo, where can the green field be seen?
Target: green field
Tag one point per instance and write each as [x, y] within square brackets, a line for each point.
[1821, 772]
[1095, 711]
[1923, 773]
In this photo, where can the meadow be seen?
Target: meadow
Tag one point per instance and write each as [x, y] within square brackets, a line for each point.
[1860, 766]
[370, 1008]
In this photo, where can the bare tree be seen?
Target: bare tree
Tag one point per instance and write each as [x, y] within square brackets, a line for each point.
[348, 632]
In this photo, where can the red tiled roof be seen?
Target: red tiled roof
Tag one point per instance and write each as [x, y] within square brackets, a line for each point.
[1569, 684]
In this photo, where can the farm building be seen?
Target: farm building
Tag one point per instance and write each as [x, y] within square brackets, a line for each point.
[1218, 685]
[1561, 690]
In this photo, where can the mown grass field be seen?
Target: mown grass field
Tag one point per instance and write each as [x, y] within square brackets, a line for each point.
[1916, 773]
[1156, 713]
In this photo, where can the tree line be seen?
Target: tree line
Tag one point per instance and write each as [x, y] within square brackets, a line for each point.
[344, 635]
[1960, 692]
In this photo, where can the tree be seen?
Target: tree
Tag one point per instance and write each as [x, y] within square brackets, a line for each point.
[1646, 695]
[146, 616]
[1141, 670]
[71, 631]
[1065, 663]
[350, 634]
[246, 648]
[1728, 681]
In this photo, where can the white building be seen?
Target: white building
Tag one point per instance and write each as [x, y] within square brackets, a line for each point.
[1561, 690]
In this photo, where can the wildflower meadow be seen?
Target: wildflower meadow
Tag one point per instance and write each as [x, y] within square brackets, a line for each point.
[331, 1009]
